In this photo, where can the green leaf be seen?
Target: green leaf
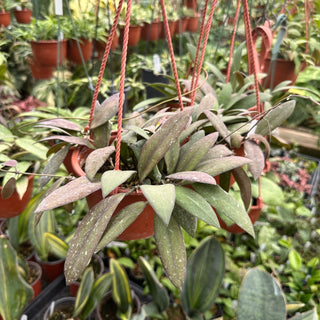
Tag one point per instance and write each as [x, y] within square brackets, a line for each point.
[186, 220]
[72, 191]
[275, 117]
[193, 176]
[172, 156]
[225, 204]
[84, 291]
[170, 244]
[196, 152]
[114, 178]
[12, 283]
[254, 152]
[161, 198]
[121, 221]
[53, 165]
[100, 287]
[57, 246]
[8, 188]
[71, 140]
[120, 287]
[295, 260]
[37, 149]
[219, 125]
[225, 94]
[195, 204]
[244, 184]
[96, 160]
[271, 193]
[6, 134]
[61, 123]
[205, 272]
[159, 294]
[260, 297]
[217, 166]
[160, 142]
[88, 235]
[308, 315]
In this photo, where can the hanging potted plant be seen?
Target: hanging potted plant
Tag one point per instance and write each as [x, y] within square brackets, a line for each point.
[173, 156]
[23, 11]
[5, 7]
[152, 24]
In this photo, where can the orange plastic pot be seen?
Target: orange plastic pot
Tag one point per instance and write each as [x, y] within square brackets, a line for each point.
[51, 269]
[172, 29]
[5, 19]
[143, 226]
[181, 25]
[73, 54]
[193, 23]
[23, 16]
[39, 71]
[36, 284]
[45, 52]
[14, 206]
[254, 214]
[134, 35]
[151, 31]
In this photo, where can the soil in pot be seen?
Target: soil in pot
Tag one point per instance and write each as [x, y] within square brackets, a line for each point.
[34, 277]
[63, 310]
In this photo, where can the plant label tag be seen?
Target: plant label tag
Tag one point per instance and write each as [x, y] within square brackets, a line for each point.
[156, 63]
[58, 7]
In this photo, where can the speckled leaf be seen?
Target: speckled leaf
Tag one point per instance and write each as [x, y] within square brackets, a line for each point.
[101, 135]
[70, 139]
[53, 165]
[207, 103]
[96, 160]
[161, 198]
[218, 151]
[172, 251]
[275, 117]
[225, 204]
[216, 166]
[9, 188]
[189, 130]
[185, 220]
[88, 235]
[260, 297]
[139, 132]
[195, 204]
[72, 191]
[120, 222]
[114, 178]
[244, 184]
[196, 152]
[219, 125]
[171, 157]
[194, 176]
[104, 112]
[160, 142]
[61, 123]
[201, 287]
[254, 152]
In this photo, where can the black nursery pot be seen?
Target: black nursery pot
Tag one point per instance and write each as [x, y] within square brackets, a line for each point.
[148, 76]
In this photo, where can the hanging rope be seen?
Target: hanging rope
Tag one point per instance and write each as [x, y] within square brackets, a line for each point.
[174, 66]
[206, 31]
[103, 64]
[233, 37]
[122, 80]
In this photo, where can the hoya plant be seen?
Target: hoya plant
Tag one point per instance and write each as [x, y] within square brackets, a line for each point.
[169, 164]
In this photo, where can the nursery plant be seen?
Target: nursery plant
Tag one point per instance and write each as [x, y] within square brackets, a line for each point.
[174, 155]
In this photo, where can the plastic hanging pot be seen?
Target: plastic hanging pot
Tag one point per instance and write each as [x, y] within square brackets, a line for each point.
[40, 72]
[73, 54]
[134, 35]
[14, 206]
[100, 46]
[5, 19]
[143, 226]
[45, 52]
[172, 29]
[193, 23]
[23, 16]
[151, 31]
[51, 269]
[36, 272]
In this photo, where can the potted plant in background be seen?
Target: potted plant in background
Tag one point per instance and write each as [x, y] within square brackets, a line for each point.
[152, 24]
[23, 11]
[5, 7]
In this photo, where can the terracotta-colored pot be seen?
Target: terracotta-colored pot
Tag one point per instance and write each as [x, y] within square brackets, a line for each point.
[151, 32]
[284, 70]
[45, 52]
[73, 54]
[98, 267]
[5, 19]
[254, 214]
[51, 269]
[40, 72]
[172, 29]
[23, 16]
[101, 46]
[14, 206]
[134, 35]
[36, 284]
[193, 23]
[183, 27]
[143, 226]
